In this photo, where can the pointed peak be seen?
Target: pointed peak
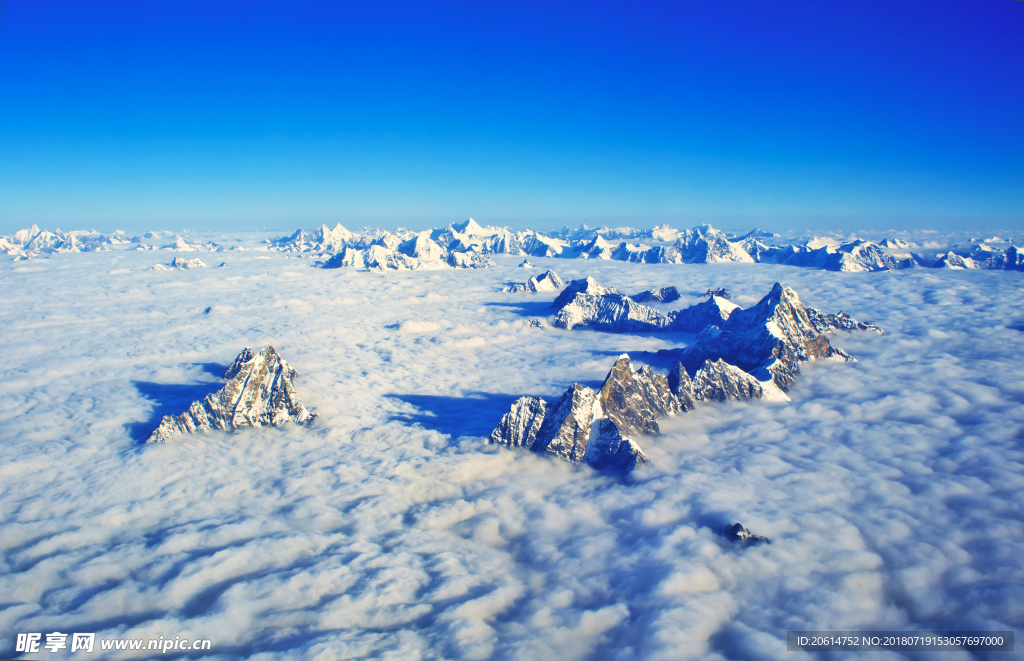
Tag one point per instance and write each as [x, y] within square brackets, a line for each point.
[469, 226]
[243, 358]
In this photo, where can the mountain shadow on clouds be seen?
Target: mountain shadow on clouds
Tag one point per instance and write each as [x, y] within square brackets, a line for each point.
[474, 414]
[216, 369]
[526, 308]
[170, 399]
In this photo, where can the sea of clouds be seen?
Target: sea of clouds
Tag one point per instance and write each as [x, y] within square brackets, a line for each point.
[892, 488]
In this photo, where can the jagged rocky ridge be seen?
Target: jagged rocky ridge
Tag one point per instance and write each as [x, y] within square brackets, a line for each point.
[600, 428]
[258, 393]
[740, 354]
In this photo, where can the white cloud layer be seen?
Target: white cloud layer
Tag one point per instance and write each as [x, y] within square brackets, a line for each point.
[891, 487]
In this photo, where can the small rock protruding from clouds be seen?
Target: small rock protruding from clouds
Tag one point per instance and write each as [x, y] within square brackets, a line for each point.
[258, 393]
[720, 291]
[527, 264]
[737, 534]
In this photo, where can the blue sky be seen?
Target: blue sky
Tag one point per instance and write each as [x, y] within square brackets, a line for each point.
[219, 115]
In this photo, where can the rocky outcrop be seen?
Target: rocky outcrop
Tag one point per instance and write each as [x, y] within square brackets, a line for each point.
[721, 292]
[258, 393]
[662, 295]
[527, 264]
[547, 281]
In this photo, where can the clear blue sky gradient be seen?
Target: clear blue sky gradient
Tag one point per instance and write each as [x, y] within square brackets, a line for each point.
[222, 115]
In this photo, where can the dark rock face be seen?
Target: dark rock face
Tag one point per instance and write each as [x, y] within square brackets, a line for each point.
[258, 393]
[721, 291]
[519, 427]
[737, 534]
[608, 450]
[635, 400]
[663, 295]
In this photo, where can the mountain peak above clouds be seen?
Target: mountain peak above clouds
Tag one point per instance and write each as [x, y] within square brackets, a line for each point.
[258, 393]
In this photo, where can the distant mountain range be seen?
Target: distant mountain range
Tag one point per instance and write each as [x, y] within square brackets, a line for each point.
[462, 244]
[467, 245]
